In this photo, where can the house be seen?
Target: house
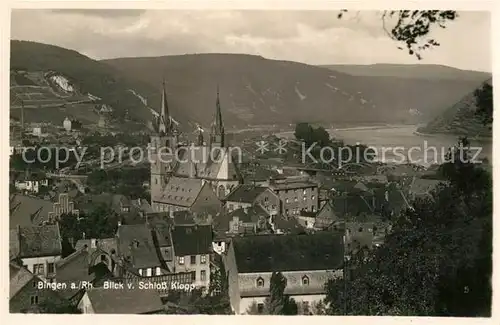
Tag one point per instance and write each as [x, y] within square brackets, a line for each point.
[249, 220]
[31, 182]
[84, 265]
[326, 217]
[421, 187]
[296, 194]
[306, 261]
[28, 211]
[123, 301]
[245, 196]
[144, 251]
[192, 194]
[38, 248]
[63, 205]
[24, 294]
[192, 250]
[307, 219]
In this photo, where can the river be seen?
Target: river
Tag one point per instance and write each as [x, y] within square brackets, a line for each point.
[398, 143]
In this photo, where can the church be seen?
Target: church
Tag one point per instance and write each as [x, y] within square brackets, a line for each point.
[190, 177]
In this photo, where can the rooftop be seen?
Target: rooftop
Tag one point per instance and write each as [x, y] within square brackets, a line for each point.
[268, 253]
[246, 193]
[192, 239]
[35, 241]
[125, 301]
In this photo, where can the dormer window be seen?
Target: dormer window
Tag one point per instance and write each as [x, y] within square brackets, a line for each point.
[305, 280]
[260, 282]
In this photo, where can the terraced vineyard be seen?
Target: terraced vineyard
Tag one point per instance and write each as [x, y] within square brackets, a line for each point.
[37, 90]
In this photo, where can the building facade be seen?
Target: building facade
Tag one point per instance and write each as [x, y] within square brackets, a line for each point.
[188, 168]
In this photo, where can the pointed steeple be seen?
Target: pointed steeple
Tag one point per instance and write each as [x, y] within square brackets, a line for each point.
[217, 131]
[200, 140]
[164, 121]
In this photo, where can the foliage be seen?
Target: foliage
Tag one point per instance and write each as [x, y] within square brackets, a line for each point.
[310, 135]
[42, 159]
[50, 307]
[484, 103]
[194, 303]
[278, 303]
[100, 223]
[126, 181]
[412, 27]
[437, 260]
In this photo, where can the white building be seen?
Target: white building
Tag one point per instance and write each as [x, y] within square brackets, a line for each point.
[306, 261]
[67, 124]
[38, 247]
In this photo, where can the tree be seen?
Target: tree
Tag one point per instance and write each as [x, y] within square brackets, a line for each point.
[412, 27]
[484, 102]
[436, 262]
[278, 303]
[49, 307]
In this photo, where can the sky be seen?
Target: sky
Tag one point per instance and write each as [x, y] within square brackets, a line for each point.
[312, 37]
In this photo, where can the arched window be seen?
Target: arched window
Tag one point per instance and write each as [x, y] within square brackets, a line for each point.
[221, 191]
[260, 282]
[305, 280]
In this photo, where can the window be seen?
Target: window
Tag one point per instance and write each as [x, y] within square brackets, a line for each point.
[266, 199]
[313, 208]
[313, 197]
[203, 259]
[286, 212]
[158, 270]
[305, 280]
[260, 282]
[231, 207]
[181, 260]
[140, 271]
[304, 198]
[50, 268]
[148, 271]
[203, 275]
[296, 199]
[156, 181]
[34, 300]
[304, 192]
[38, 268]
[193, 259]
[260, 308]
[286, 200]
[360, 229]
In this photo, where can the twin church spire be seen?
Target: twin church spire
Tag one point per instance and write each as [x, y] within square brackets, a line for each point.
[167, 127]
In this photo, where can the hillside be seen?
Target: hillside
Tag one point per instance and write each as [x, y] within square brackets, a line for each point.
[255, 90]
[419, 71]
[460, 119]
[53, 82]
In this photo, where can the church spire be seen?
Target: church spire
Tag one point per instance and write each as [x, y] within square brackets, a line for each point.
[164, 122]
[217, 132]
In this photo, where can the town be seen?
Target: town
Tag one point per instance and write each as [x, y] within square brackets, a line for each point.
[270, 220]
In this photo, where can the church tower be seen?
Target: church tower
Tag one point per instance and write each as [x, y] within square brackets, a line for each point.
[164, 143]
[217, 130]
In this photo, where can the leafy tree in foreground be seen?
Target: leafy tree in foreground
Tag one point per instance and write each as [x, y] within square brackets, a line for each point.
[278, 303]
[412, 27]
[436, 262]
[484, 103]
